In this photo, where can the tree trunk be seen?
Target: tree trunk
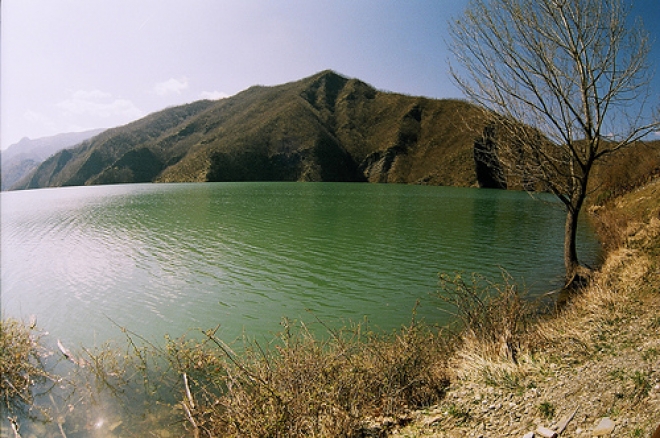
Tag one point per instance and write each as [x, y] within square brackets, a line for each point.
[576, 274]
[571, 263]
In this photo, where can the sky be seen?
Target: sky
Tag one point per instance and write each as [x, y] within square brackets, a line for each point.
[74, 65]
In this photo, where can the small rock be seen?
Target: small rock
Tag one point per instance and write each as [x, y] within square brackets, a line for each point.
[529, 435]
[115, 425]
[545, 432]
[432, 420]
[605, 427]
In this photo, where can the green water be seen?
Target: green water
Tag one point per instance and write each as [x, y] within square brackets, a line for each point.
[162, 259]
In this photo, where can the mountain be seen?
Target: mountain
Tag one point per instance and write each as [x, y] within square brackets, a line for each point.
[322, 128]
[22, 157]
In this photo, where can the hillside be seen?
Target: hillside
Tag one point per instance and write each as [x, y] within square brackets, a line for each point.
[323, 128]
[21, 158]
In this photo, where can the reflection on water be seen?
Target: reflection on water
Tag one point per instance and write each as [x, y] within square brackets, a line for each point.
[166, 258]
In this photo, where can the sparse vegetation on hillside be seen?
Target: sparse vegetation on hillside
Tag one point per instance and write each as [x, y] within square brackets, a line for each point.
[322, 128]
[23, 157]
[631, 168]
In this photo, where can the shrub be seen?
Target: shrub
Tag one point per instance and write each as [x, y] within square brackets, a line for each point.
[547, 410]
[307, 386]
[494, 317]
[300, 384]
[21, 368]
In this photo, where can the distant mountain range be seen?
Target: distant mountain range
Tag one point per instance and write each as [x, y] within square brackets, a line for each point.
[21, 158]
[323, 128]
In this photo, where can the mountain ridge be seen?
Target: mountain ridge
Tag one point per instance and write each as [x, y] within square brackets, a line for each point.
[22, 157]
[326, 127]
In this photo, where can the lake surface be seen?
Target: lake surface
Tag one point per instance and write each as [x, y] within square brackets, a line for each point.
[165, 258]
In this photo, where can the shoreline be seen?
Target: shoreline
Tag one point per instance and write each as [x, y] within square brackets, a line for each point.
[597, 358]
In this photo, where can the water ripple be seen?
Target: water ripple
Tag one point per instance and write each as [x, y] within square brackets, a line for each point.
[165, 258]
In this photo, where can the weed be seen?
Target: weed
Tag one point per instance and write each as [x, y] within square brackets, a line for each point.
[638, 433]
[21, 367]
[495, 317]
[617, 374]
[651, 354]
[642, 384]
[462, 415]
[655, 323]
[298, 385]
[306, 386]
[547, 410]
[502, 378]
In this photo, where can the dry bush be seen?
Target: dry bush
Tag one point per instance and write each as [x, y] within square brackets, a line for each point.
[21, 369]
[625, 171]
[611, 227]
[298, 385]
[495, 321]
[307, 386]
[494, 317]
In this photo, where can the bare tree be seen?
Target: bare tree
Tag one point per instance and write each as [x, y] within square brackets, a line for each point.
[566, 82]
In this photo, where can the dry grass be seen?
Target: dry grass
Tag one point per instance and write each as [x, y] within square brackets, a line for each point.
[629, 277]
[21, 369]
[307, 386]
[300, 384]
[495, 326]
[504, 338]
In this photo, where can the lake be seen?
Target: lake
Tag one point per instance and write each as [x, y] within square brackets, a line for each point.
[165, 258]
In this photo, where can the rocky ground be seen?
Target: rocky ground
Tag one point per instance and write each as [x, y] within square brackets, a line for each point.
[621, 381]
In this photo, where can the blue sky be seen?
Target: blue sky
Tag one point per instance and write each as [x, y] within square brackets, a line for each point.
[72, 65]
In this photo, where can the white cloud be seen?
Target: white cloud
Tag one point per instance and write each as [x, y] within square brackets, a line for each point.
[38, 118]
[657, 133]
[98, 103]
[213, 95]
[91, 95]
[171, 86]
